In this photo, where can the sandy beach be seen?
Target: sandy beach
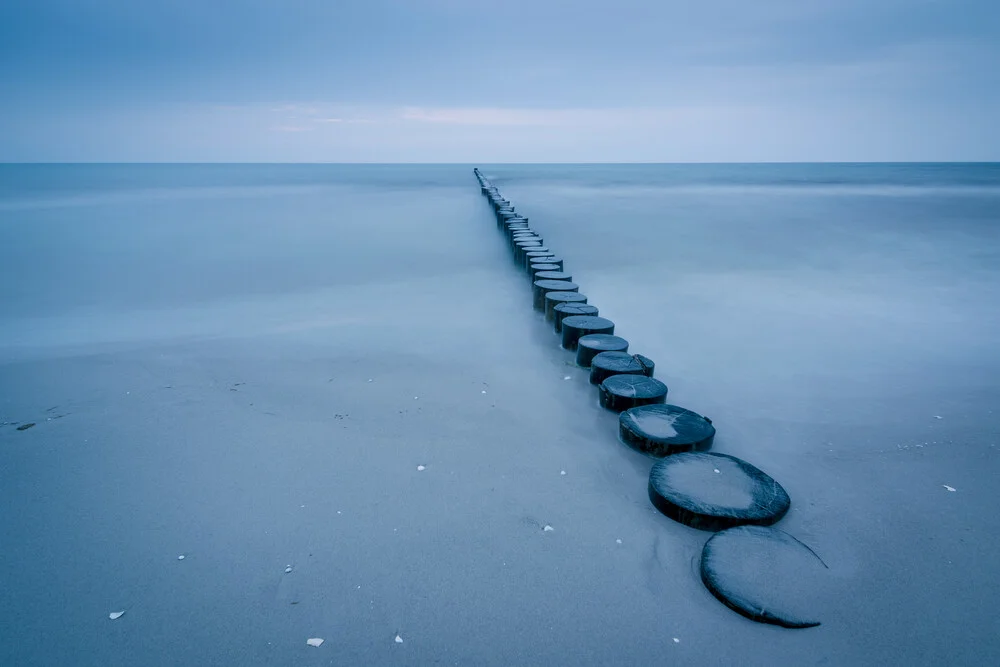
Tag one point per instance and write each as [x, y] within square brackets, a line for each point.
[340, 372]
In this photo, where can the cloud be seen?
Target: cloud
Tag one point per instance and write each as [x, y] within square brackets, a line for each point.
[309, 110]
[498, 116]
[482, 116]
[345, 121]
[400, 79]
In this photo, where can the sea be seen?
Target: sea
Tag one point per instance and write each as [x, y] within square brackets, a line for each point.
[271, 403]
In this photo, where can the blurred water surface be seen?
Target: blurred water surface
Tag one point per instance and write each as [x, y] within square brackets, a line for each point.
[246, 364]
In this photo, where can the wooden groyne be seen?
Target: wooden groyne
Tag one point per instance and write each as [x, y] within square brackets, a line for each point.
[699, 488]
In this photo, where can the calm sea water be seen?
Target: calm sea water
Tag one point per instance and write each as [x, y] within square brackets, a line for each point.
[79, 235]
[225, 361]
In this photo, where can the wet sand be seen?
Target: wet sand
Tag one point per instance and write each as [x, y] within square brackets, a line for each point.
[258, 429]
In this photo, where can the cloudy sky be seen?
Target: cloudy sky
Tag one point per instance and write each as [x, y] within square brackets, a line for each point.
[508, 80]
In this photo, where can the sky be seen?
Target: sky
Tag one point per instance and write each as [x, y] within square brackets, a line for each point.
[502, 81]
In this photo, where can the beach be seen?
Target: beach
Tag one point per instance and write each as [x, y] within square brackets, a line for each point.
[337, 369]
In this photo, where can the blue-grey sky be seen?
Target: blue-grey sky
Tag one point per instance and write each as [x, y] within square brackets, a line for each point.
[508, 80]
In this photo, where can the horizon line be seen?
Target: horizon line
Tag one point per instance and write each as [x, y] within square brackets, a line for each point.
[416, 163]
